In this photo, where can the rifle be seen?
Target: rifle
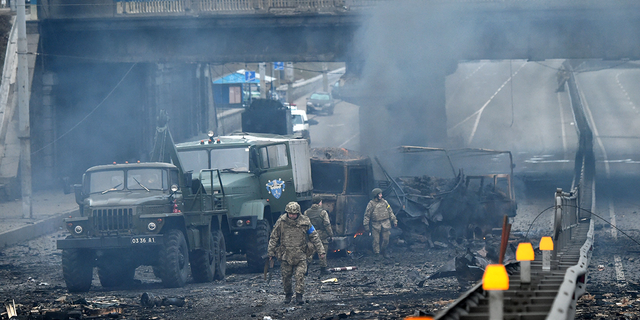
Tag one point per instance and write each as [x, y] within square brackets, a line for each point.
[268, 263]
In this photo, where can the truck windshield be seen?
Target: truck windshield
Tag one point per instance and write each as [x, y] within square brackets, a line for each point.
[146, 179]
[234, 159]
[297, 119]
[194, 161]
[105, 181]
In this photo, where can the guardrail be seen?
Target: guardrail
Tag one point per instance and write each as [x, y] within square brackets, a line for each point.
[141, 7]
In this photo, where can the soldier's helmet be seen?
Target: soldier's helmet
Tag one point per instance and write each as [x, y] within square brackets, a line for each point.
[316, 199]
[292, 207]
[375, 192]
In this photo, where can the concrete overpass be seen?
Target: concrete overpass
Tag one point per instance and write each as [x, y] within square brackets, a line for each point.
[104, 67]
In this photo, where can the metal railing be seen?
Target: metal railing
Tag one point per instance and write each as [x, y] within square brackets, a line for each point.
[141, 7]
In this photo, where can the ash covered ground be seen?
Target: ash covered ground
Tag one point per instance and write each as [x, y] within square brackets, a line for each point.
[377, 289]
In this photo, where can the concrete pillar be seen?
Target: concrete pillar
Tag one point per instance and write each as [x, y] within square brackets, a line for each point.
[415, 115]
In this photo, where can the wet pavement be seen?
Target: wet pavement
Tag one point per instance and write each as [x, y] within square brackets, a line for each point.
[49, 208]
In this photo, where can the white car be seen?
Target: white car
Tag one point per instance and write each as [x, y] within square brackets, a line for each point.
[300, 124]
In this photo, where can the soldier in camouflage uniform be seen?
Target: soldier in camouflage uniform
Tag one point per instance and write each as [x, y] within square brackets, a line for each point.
[381, 216]
[320, 220]
[289, 243]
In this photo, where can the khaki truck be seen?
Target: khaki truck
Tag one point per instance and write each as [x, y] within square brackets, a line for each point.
[150, 213]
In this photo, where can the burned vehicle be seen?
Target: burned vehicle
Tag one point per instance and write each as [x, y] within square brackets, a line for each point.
[343, 179]
[448, 194]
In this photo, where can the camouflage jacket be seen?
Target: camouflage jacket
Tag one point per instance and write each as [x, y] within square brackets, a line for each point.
[320, 220]
[378, 210]
[290, 239]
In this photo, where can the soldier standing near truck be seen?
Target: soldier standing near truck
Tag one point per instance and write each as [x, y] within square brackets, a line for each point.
[320, 220]
[381, 216]
[289, 243]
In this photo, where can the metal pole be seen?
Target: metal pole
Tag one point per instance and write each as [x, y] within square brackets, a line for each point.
[263, 80]
[23, 106]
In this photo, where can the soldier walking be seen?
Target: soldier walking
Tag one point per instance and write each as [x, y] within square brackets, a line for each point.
[381, 216]
[320, 220]
[289, 243]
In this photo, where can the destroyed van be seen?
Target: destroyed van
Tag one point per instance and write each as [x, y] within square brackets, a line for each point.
[258, 175]
[343, 179]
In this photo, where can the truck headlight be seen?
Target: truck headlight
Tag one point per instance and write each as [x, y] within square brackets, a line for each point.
[151, 226]
[239, 223]
[77, 229]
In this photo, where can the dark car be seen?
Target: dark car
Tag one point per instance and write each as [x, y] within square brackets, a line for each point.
[320, 102]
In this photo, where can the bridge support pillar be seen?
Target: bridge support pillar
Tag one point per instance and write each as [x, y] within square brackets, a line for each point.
[402, 112]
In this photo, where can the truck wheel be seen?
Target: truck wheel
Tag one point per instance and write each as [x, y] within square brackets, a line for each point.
[77, 269]
[173, 266]
[257, 246]
[221, 261]
[116, 275]
[203, 262]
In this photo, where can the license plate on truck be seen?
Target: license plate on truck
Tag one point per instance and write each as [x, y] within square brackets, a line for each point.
[143, 240]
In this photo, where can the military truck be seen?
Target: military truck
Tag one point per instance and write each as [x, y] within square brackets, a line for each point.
[151, 213]
[258, 175]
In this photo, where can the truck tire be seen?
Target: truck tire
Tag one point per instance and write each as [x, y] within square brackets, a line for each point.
[203, 262]
[173, 265]
[77, 269]
[115, 275]
[257, 246]
[221, 261]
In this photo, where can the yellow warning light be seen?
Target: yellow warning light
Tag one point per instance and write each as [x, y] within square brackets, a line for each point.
[495, 278]
[546, 243]
[524, 252]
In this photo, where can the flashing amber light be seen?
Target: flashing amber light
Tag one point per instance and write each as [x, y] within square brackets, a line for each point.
[546, 243]
[126, 162]
[218, 141]
[524, 252]
[495, 278]
[201, 141]
[114, 162]
[138, 161]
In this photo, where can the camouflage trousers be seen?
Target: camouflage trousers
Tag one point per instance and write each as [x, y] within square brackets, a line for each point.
[290, 270]
[323, 261]
[379, 228]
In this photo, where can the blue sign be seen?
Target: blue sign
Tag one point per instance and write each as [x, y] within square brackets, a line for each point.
[278, 66]
[249, 76]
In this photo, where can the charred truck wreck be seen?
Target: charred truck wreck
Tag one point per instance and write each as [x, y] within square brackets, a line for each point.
[426, 187]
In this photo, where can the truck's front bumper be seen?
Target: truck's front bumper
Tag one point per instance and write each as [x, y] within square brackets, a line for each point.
[110, 242]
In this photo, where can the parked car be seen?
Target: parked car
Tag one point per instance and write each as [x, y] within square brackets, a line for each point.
[320, 102]
[300, 124]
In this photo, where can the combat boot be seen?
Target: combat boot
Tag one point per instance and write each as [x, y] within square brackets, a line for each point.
[386, 254]
[287, 298]
[324, 271]
[299, 299]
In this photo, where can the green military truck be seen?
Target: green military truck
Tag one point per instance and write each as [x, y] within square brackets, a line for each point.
[151, 213]
[258, 175]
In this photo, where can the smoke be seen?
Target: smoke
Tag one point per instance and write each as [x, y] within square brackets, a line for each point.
[406, 55]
